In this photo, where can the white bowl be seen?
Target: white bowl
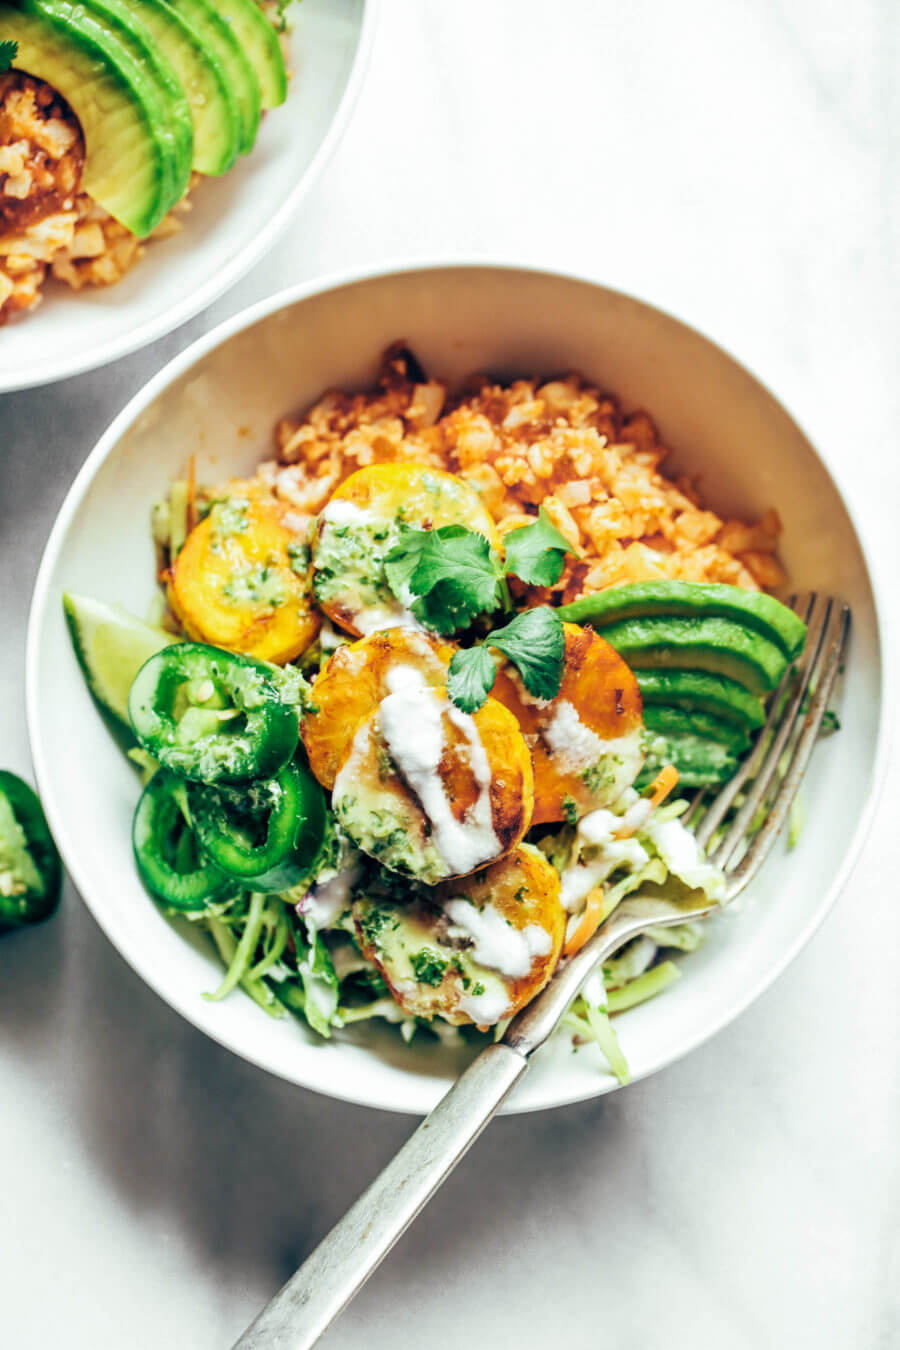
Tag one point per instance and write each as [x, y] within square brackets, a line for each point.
[233, 220]
[219, 400]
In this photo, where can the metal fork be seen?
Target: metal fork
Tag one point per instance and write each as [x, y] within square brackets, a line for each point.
[338, 1268]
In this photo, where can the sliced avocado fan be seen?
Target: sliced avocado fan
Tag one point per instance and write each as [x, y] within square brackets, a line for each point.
[222, 42]
[677, 722]
[130, 166]
[700, 762]
[259, 41]
[214, 108]
[690, 599]
[715, 645]
[119, 17]
[696, 690]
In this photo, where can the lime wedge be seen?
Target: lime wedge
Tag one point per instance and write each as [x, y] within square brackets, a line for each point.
[111, 646]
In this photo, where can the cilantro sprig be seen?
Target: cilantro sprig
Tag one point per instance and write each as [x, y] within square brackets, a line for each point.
[450, 575]
[534, 642]
[536, 554]
[446, 576]
[8, 52]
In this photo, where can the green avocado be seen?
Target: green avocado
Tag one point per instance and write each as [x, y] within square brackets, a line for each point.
[260, 42]
[696, 690]
[675, 721]
[130, 162]
[687, 599]
[214, 109]
[119, 19]
[220, 40]
[715, 645]
[700, 762]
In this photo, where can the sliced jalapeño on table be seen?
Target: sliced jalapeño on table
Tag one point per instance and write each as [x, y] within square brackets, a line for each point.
[30, 869]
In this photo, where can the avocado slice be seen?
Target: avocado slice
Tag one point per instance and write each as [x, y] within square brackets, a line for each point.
[259, 41]
[697, 690]
[700, 762]
[689, 599]
[222, 43]
[715, 645]
[666, 722]
[214, 109]
[119, 18]
[129, 153]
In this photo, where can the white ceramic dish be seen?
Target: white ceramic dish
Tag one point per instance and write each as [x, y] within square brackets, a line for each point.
[219, 400]
[233, 221]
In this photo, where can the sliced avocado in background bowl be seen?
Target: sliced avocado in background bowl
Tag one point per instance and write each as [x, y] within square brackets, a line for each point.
[692, 599]
[214, 109]
[119, 17]
[260, 43]
[129, 153]
[698, 690]
[715, 645]
[223, 44]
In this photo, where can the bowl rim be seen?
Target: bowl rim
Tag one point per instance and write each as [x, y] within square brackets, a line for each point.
[195, 301]
[195, 352]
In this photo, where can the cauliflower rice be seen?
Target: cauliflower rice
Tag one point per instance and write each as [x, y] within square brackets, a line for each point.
[48, 228]
[560, 444]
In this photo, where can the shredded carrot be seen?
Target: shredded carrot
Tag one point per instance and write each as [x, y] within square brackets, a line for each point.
[191, 511]
[662, 785]
[589, 922]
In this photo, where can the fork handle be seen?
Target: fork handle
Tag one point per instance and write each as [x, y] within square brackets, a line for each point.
[343, 1261]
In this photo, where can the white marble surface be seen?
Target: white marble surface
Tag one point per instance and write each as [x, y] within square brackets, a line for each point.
[739, 165]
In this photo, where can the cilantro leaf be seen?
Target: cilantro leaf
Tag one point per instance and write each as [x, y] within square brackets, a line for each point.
[471, 678]
[447, 576]
[537, 553]
[401, 561]
[535, 643]
[8, 50]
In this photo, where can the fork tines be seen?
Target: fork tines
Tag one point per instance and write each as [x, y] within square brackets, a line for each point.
[770, 776]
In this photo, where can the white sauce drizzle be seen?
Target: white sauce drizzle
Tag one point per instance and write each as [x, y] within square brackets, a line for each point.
[330, 638]
[637, 959]
[485, 1009]
[375, 618]
[594, 990]
[569, 738]
[296, 521]
[578, 747]
[636, 816]
[681, 853]
[411, 719]
[340, 512]
[496, 944]
[327, 900]
[597, 832]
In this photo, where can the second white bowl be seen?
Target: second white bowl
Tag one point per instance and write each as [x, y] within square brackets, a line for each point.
[232, 222]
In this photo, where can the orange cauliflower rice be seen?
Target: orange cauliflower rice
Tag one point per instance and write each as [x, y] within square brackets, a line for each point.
[48, 228]
[560, 444]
